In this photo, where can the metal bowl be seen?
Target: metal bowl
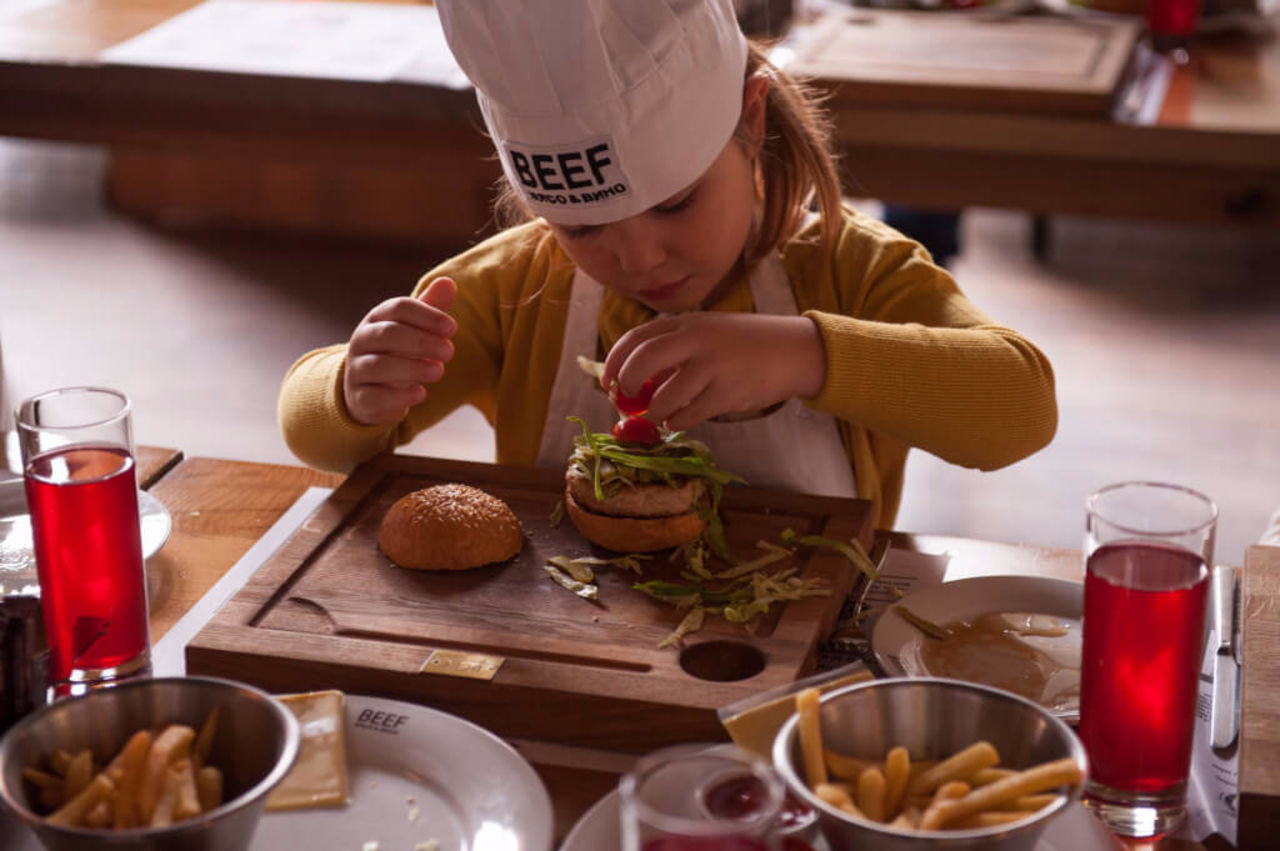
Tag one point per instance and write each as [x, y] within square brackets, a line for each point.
[255, 746]
[933, 718]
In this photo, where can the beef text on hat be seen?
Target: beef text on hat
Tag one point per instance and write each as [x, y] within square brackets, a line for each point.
[601, 109]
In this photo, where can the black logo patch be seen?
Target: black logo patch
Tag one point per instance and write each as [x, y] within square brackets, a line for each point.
[381, 722]
[583, 174]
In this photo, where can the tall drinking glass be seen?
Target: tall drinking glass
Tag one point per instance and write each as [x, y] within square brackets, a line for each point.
[1149, 549]
[694, 798]
[82, 492]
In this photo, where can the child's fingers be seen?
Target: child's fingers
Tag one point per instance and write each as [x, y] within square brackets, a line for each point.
[679, 400]
[377, 369]
[400, 340]
[439, 293]
[378, 404]
[622, 353]
[414, 313]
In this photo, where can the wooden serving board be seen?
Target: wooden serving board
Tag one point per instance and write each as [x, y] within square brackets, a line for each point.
[1260, 700]
[970, 60]
[508, 648]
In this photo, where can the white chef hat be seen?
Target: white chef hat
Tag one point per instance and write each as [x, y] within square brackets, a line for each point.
[601, 109]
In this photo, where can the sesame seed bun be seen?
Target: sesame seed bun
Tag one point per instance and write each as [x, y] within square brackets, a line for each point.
[634, 534]
[449, 527]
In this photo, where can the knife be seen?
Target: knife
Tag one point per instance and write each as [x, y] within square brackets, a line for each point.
[1226, 665]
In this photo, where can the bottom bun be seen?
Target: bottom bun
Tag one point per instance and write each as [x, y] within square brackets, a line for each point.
[634, 534]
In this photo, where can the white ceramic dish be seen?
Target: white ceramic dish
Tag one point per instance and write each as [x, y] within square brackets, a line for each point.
[897, 643]
[598, 830]
[416, 774]
[17, 559]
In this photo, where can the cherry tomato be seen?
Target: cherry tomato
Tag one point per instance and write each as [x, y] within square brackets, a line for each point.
[637, 430]
[633, 405]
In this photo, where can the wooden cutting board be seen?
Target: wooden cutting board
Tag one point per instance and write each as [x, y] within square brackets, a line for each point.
[970, 60]
[1260, 700]
[505, 646]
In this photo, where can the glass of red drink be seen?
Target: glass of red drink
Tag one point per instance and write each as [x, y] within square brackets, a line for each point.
[1171, 23]
[1149, 548]
[82, 492]
[695, 798]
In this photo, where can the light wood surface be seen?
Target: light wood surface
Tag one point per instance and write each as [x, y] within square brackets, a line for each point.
[410, 161]
[1260, 700]
[153, 462]
[219, 510]
[329, 610]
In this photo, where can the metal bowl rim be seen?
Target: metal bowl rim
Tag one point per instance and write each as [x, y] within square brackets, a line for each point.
[782, 761]
[292, 741]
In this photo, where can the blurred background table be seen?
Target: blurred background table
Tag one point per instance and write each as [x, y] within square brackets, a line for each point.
[409, 160]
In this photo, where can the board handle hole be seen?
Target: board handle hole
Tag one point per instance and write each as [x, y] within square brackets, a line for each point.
[722, 661]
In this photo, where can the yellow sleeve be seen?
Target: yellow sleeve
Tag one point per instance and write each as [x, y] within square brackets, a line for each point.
[312, 413]
[313, 417]
[908, 356]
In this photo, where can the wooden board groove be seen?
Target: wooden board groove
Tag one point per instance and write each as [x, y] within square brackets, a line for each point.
[328, 610]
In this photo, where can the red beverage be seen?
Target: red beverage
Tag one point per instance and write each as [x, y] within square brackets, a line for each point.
[1144, 610]
[84, 514]
[1172, 20]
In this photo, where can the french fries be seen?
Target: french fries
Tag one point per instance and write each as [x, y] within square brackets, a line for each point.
[964, 791]
[157, 779]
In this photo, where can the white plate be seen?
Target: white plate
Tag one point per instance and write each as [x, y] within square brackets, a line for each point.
[1075, 829]
[896, 643]
[17, 560]
[416, 774]
[419, 774]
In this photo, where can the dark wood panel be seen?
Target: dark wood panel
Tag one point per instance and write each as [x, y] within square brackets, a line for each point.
[1260, 700]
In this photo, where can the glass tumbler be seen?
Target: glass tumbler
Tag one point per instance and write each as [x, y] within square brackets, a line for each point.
[82, 492]
[695, 798]
[1149, 547]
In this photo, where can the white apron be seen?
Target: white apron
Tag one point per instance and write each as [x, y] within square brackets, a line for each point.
[794, 448]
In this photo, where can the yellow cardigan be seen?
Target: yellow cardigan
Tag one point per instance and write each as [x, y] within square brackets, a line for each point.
[910, 360]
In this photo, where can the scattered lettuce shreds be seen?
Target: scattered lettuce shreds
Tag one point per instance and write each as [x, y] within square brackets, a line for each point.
[557, 514]
[755, 564]
[928, 627]
[585, 590]
[740, 598]
[692, 622]
[593, 368]
[851, 549]
[574, 567]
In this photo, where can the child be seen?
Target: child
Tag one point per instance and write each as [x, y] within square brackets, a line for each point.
[671, 169]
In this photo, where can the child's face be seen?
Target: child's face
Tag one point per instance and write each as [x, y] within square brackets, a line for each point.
[676, 256]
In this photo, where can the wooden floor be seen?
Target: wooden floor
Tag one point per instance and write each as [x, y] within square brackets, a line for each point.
[1165, 342]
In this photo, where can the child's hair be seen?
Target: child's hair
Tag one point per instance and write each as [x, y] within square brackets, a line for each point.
[796, 167]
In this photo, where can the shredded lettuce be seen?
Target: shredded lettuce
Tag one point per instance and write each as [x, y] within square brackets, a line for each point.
[692, 622]
[852, 550]
[928, 627]
[585, 590]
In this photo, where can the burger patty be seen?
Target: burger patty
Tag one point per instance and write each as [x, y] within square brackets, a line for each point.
[640, 500]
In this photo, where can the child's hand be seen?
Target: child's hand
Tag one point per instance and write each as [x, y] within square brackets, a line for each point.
[718, 363]
[401, 345]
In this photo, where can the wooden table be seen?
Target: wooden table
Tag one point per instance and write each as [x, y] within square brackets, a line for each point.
[408, 160]
[221, 508]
